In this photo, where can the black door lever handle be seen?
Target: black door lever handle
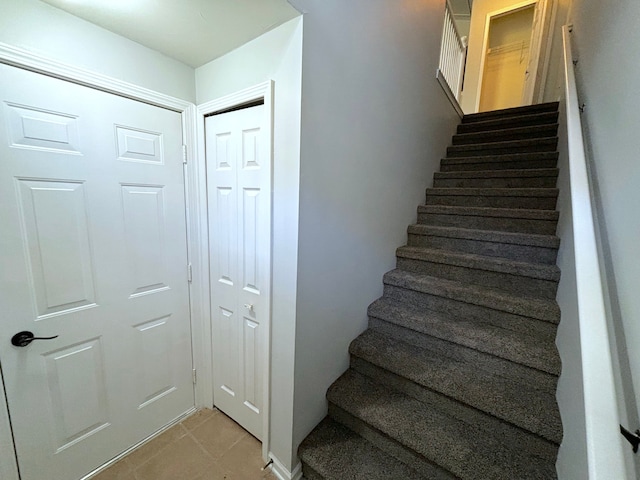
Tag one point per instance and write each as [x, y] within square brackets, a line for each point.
[22, 339]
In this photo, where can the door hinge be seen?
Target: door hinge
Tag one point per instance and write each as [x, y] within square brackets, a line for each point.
[189, 273]
[184, 154]
[194, 376]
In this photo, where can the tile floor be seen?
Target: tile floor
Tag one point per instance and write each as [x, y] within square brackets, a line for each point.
[207, 445]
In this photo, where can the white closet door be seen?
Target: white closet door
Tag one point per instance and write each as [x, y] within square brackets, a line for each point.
[92, 251]
[238, 177]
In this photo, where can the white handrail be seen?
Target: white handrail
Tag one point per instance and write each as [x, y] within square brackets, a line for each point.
[604, 443]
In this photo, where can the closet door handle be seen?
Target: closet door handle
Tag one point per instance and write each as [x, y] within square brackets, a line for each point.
[22, 339]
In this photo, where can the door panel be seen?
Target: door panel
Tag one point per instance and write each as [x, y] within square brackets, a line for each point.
[76, 380]
[54, 221]
[93, 250]
[238, 177]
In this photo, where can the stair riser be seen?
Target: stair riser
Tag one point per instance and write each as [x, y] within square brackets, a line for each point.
[388, 445]
[475, 151]
[537, 357]
[517, 182]
[469, 311]
[522, 253]
[505, 135]
[535, 203]
[498, 164]
[514, 225]
[515, 122]
[309, 473]
[510, 433]
[514, 112]
[526, 286]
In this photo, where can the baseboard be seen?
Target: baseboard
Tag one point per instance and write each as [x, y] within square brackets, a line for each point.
[282, 473]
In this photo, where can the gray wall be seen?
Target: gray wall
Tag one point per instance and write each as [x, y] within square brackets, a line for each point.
[375, 124]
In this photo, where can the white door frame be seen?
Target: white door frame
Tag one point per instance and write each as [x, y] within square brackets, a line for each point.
[261, 91]
[195, 214]
[485, 39]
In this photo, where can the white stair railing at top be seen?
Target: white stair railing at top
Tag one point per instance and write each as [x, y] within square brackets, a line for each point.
[605, 454]
[453, 53]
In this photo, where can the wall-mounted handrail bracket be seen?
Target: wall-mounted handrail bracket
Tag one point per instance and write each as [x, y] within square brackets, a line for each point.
[632, 438]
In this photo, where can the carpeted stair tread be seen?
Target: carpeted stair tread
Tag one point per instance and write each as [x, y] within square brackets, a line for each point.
[530, 198]
[513, 435]
[547, 144]
[526, 349]
[528, 239]
[506, 134]
[545, 310]
[466, 451]
[513, 178]
[511, 112]
[509, 160]
[517, 220]
[526, 247]
[333, 452]
[523, 172]
[482, 262]
[508, 122]
[531, 214]
[533, 280]
[513, 393]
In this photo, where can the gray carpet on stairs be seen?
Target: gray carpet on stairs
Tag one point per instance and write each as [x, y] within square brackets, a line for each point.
[456, 376]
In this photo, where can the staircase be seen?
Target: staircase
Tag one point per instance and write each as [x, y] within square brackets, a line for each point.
[455, 377]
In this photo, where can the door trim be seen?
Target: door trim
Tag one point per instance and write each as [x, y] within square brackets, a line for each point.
[264, 91]
[195, 213]
[485, 39]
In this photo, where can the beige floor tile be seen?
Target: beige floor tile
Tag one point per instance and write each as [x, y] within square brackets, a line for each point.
[118, 471]
[208, 445]
[244, 460]
[193, 421]
[218, 434]
[183, 459]
[147, 451]
[215, 472]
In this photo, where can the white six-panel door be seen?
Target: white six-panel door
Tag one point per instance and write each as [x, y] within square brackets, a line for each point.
[92, 250]
[238, 179]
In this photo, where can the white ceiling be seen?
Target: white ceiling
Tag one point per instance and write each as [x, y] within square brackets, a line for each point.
[461, 7]
[191, 31]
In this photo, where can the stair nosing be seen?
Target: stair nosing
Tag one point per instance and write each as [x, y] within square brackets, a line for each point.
[510, 131]
[474, 234]
[529, 192]
[522, 213]
[546, 107]
[391, 311]
[512, 157]
[473, 376]
[536, 271]
[344, 432]
[505, 143]
[411, 407]
[514, 119]
[498, 174]
[453, 290]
